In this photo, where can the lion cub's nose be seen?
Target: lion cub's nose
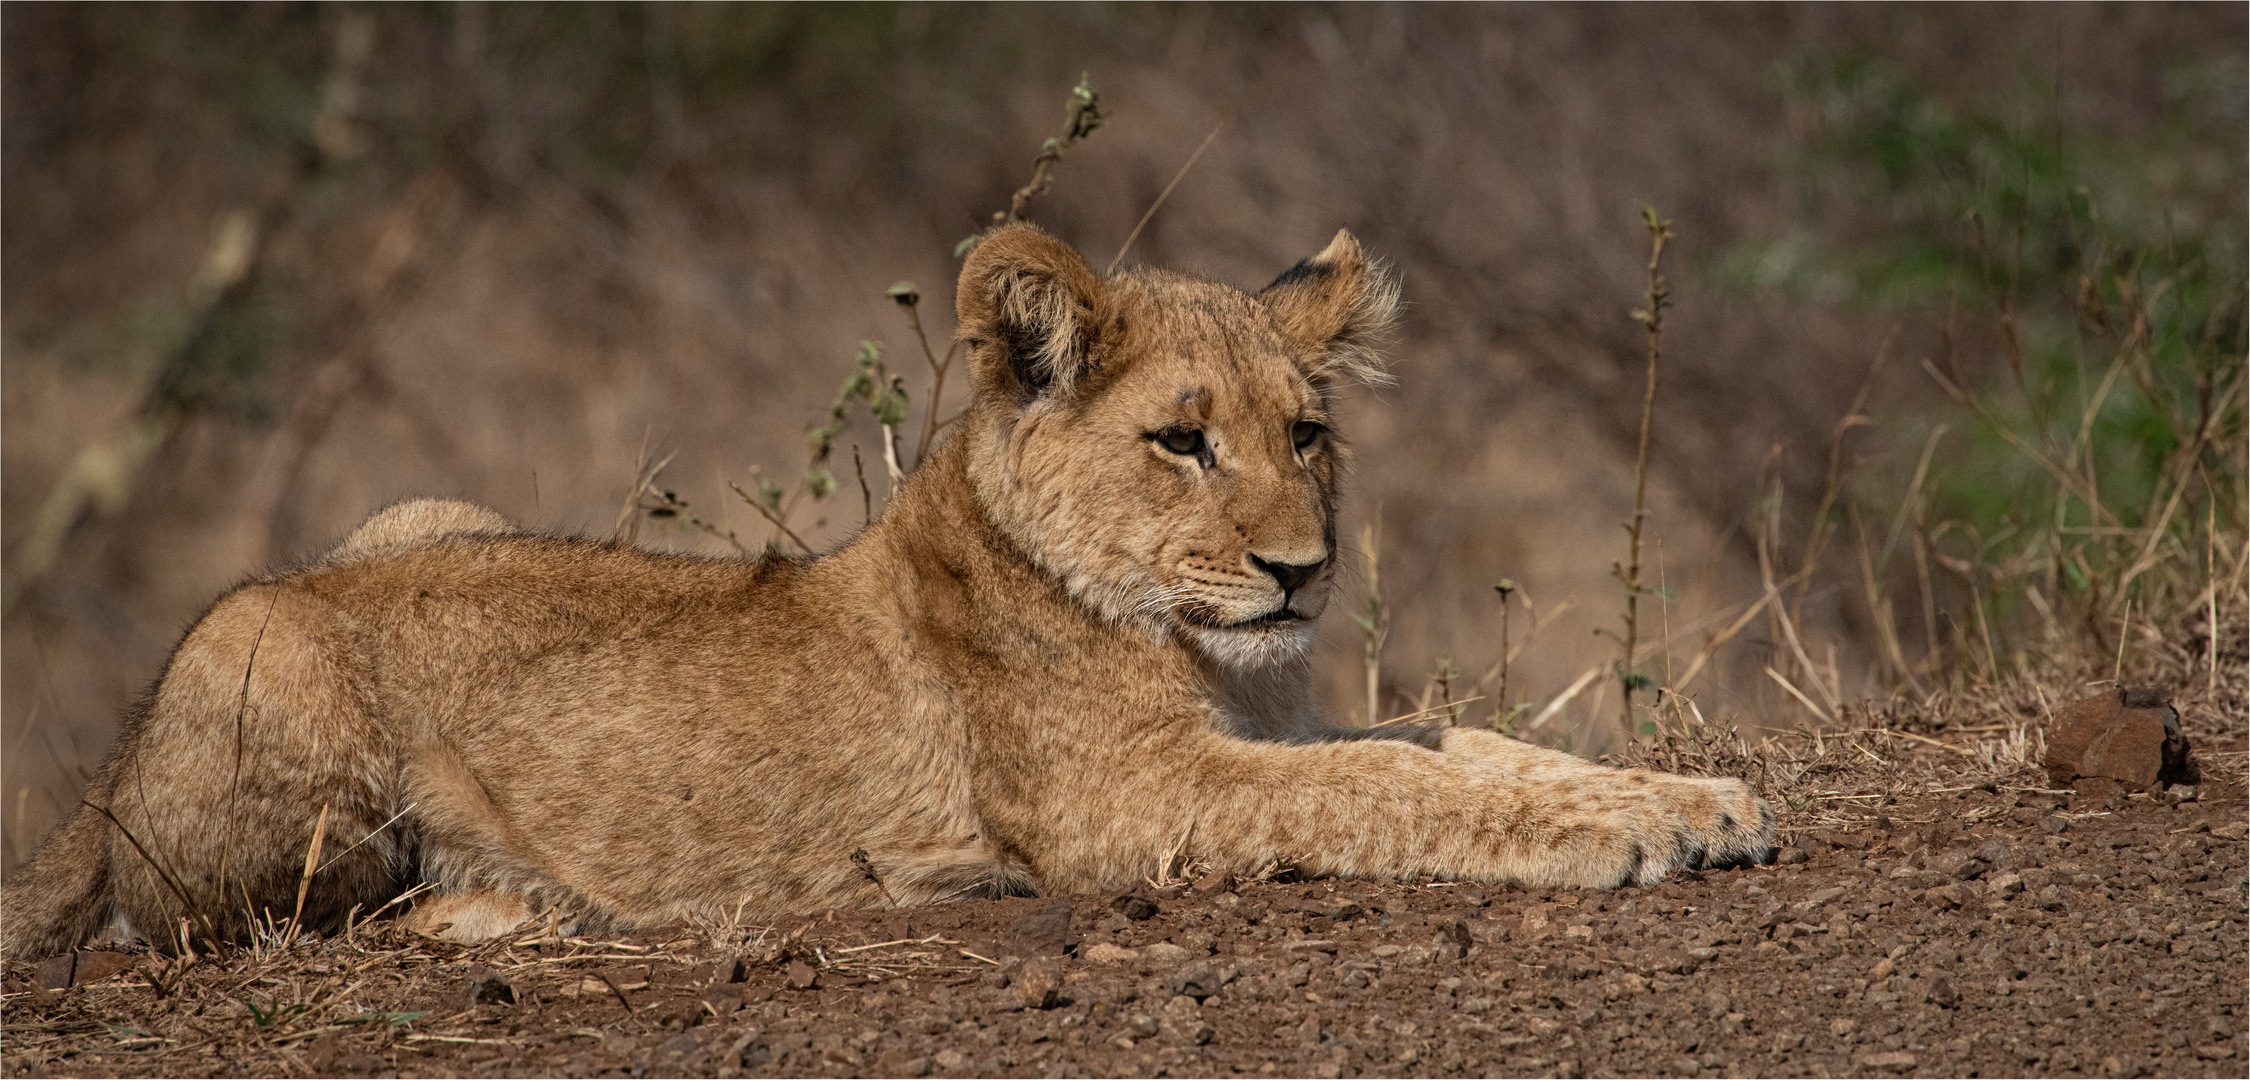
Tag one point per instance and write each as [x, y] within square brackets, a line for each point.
[1291, 576]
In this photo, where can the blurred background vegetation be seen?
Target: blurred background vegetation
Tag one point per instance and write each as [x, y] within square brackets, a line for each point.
[1954, 367]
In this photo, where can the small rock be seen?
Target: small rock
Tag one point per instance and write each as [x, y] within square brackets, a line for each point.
[1218, 881]
[1310, 945]
[1999, 855]
[896, 1063]
[1687, 1039]
[1164, 954]
[1182, 1023]
[949, 1059]
[724, 998]
[1134, 906]
[1045, 932]
[679, 1045]
[2004, 885]
[1792, 856]
[1946, 897]
[1102, 952]
[488, 987]
[2130, 736]
[1037, 983]
[2051, 825]
[1897, 1061]
[79, 968]
[1941, 993]
[1200, 979]
[1822, 898]
[1963, 867]
[801, 976]
[1626, 985]
[1454, 939]
[1842, 1026]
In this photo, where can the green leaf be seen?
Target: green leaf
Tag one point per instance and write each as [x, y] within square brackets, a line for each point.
[905, 293]
[2076, 577]
[968, 244]
[820, 482]
[769, 494]
[1647, 728]
[889, 405]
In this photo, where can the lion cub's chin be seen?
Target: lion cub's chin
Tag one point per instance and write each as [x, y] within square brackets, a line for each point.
[1249, 648]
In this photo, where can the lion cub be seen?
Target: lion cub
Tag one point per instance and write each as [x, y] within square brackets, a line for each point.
[1076, 640]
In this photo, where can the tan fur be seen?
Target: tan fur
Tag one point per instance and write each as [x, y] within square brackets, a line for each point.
[1066, 647]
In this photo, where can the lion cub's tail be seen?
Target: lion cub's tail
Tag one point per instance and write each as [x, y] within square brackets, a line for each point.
[61, 897]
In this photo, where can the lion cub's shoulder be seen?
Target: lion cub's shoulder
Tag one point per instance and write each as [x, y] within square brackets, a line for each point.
[413, 523]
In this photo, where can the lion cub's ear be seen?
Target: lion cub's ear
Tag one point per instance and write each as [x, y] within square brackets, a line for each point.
[1029, 307]
[1337, 306]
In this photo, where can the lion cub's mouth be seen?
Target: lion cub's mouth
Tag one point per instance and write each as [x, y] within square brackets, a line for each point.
[1276, 616]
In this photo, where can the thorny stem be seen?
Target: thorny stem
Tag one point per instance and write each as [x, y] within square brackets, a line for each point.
[890, 453]
[1374, 622]
[209, 928]
[779, 520]
[1651, 317]
[1160, 197]
[657, 502]
[866, 497]
[242, 707]
[911, 301]
[1084, 113]
[1506, 588]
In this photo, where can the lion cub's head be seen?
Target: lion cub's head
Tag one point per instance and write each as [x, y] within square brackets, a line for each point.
[1163, 444]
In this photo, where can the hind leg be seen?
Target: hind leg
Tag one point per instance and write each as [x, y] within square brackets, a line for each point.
[260, 721]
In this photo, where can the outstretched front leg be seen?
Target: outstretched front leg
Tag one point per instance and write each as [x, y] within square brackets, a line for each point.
[1737, 825]
[1387, 809]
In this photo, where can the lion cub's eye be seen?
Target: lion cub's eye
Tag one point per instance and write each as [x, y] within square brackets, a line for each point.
[1305, 433]
[1187, 442]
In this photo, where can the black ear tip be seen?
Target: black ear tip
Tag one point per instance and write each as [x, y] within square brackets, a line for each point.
[1309, 271]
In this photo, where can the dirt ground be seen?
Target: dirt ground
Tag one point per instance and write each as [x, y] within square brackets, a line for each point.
[1992, 931]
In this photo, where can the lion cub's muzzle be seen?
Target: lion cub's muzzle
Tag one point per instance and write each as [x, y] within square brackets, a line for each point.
[1304, 591]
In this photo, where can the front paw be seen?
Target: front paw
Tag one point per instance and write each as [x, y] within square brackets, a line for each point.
[1726, 826]
[1631, 827]
[1731, 824]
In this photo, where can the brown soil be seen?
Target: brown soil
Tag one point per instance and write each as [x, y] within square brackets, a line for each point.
[1982, 932]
